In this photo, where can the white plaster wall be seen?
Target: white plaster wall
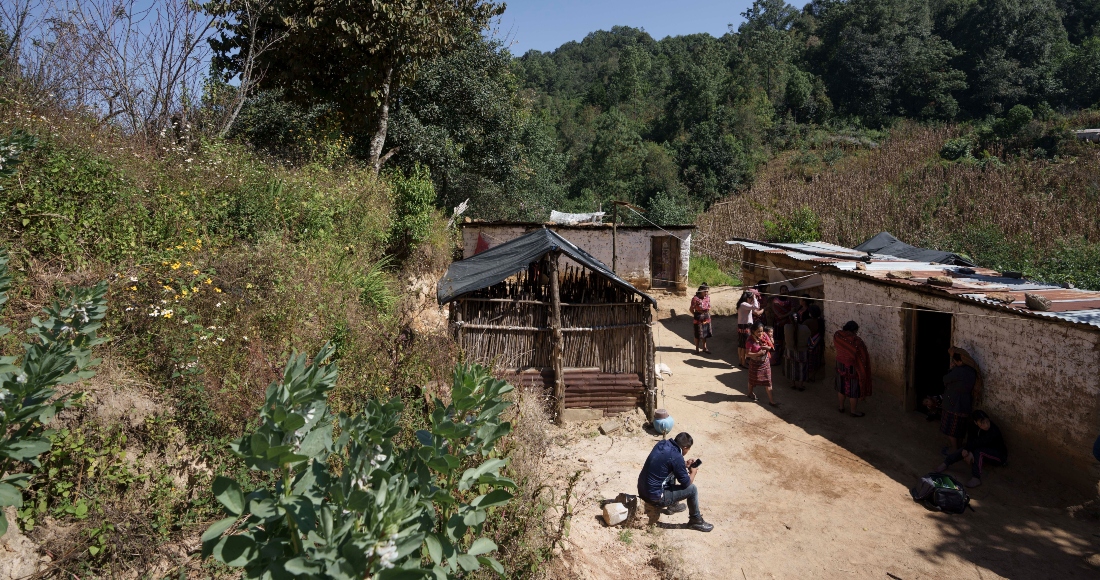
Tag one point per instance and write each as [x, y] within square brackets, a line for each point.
[634, 246]
[1042, 379]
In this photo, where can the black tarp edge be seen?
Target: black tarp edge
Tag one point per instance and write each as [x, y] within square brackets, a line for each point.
[501, 262]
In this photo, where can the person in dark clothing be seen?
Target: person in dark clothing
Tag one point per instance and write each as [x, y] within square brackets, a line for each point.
[1096, 449]
[667, 462]
[958, 400]
[984, 446]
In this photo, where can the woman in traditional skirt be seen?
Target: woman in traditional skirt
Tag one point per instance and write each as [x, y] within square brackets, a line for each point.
[760, 349]
[748, 310]
[853, 367]
[700, 310]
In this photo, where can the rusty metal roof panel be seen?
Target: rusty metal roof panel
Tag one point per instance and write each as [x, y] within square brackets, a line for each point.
[1069, 304]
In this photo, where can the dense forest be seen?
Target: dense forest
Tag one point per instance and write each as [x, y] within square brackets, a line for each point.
[675, 124]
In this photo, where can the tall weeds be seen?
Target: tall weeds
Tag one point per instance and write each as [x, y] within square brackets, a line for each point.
[1036, 210]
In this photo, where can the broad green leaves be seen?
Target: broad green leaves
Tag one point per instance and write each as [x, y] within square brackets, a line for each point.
[385, 509]
[60, 353]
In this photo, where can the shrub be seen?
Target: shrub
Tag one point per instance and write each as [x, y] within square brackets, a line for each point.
[957, 148]
[414, 195]
[803, 225]
[363, 506]
[59, 354]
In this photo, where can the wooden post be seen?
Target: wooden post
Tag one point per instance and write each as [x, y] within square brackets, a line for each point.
[556, 340]
[615, 239]
[651, 374]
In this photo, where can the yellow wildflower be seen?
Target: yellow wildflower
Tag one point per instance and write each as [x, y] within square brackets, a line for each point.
[189, 263]
[168, 314]
[179, 247]
[195, 272]
[168, 288]
[184, 291]
[133, 288]
[176, 266]
[218, 290]
[208, 280]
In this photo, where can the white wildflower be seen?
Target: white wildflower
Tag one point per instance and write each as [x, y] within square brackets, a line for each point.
[20, 378]
[386, 552]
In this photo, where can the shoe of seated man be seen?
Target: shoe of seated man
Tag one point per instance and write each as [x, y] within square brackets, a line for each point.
[974, 482]
[940, 468]
[674, 508]
[698, 523]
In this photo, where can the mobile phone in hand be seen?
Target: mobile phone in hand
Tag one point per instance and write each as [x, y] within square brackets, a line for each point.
[696, 463]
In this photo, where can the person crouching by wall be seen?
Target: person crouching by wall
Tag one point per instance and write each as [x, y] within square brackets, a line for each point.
[984, 446]
[667, 462]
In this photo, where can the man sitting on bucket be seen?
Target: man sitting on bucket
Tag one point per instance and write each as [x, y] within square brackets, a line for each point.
[666, 462]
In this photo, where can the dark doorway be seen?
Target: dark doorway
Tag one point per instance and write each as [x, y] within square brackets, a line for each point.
[930, 340]
[665, 262]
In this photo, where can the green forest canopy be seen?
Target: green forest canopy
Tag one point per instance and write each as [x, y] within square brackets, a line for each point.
[674, 124]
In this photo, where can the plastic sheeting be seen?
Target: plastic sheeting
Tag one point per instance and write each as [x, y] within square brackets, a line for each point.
[572, 219]
[501, 262]
[886, 244]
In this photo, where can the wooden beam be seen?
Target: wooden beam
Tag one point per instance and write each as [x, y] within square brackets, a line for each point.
[557, 340]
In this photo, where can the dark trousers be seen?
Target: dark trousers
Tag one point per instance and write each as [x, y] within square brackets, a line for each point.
[982, 456]
[677, 493]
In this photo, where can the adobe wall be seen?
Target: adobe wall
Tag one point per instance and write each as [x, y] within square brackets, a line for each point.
[634, 246]
[1042, 379]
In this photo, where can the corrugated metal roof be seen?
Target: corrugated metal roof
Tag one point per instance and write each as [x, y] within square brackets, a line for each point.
[976, 284]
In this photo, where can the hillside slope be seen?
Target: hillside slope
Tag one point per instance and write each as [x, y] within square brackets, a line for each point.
[1033, 214]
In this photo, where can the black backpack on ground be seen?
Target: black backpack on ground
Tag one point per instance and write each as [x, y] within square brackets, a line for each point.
[942, 492]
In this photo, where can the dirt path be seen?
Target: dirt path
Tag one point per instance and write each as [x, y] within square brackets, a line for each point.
[804, 492]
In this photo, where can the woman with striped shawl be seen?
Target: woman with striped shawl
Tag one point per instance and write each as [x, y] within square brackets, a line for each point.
[760, 348]
[853, 367]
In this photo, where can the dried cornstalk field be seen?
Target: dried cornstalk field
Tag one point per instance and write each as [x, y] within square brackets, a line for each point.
[902, 186]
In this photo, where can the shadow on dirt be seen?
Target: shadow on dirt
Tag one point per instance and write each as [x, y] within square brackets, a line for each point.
[1021, 526]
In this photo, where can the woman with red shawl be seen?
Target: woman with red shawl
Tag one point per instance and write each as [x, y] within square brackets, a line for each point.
[700, 313]
[760, 348]
[853, 367]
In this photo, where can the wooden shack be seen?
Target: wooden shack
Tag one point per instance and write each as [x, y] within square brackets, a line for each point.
[541, 311]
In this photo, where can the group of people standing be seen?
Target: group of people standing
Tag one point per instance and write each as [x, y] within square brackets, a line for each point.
[772, 330]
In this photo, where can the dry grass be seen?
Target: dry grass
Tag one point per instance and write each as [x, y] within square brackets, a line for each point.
[903, 187]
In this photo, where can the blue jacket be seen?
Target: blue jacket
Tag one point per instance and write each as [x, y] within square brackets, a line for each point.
[665, 458]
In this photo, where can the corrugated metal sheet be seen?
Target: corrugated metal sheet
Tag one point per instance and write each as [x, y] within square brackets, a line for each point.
[1070, 304]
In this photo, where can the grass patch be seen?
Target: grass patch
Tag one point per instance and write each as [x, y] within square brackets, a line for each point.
[705, 269]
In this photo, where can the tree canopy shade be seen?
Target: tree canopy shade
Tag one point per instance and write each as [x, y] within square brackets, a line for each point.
[353, 54]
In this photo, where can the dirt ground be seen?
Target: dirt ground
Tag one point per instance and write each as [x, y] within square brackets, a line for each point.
[805, 492]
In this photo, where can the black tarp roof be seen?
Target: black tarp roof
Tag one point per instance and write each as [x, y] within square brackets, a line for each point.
[501, 262]
[887, 244]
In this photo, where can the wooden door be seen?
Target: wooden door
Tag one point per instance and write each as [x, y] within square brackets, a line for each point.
[665, 262]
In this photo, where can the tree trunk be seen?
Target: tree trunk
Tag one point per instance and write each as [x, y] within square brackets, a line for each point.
[378, 141]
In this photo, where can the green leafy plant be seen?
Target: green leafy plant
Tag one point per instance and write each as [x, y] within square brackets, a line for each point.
[802, 225]
[356, 505]
[60, 353]
[12, 148]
